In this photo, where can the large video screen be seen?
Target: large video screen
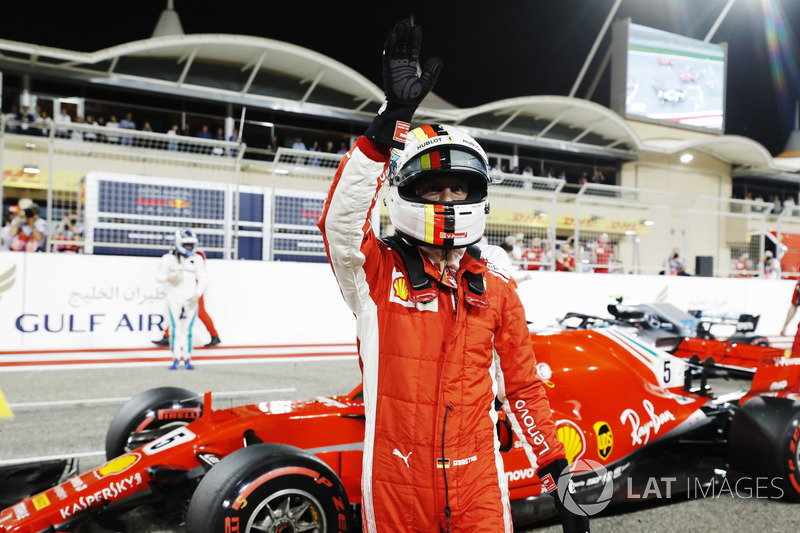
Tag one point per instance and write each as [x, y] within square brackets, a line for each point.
[662, 76]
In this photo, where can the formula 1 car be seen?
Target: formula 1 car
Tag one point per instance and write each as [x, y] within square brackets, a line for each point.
[621, 407]
[671, 96]
[718, 340]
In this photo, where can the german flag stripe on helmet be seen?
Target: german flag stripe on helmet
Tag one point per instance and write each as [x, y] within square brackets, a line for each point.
[440, 220]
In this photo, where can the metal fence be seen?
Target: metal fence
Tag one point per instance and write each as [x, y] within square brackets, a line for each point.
[124, 192]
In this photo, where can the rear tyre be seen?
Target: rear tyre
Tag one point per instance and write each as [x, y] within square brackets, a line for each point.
[269, 488]
[149, 415]
[764, 439]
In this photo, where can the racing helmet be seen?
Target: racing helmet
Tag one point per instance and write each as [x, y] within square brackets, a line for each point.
[431, 151]
[185, 241]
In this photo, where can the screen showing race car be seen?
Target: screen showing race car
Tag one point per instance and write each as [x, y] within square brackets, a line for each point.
[662, 76]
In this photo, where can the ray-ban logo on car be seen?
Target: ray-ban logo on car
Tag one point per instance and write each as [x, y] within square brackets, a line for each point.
[640, 430]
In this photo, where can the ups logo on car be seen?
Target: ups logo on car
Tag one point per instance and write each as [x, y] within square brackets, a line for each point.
[605, 439]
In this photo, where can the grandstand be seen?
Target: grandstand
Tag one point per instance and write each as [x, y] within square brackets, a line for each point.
[250, 200]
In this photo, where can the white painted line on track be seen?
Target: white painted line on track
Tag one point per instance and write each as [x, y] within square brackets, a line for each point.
[87, 401]
[24, 460]
[21, 367]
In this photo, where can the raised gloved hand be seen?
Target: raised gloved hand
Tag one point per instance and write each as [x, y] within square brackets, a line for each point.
[550, 475]
[404, 88]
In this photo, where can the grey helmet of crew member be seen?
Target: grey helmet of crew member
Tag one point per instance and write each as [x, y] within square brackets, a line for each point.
[185, 242]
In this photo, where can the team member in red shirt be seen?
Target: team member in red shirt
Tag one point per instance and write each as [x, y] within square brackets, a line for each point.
[430, 315]
[602, 254]
[795, 302]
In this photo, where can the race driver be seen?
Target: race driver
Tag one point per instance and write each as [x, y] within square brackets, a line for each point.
[441, 333]
[184, 274]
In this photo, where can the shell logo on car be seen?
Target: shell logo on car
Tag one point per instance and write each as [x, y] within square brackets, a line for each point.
[118, 465]
[572, 438]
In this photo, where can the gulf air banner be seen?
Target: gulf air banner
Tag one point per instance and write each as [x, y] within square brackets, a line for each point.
[62, 302]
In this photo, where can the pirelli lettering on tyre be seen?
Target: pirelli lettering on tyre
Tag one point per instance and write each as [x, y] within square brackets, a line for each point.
[605, 439]
[184, 413]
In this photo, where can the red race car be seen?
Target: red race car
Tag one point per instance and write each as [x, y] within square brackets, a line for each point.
[629, 421]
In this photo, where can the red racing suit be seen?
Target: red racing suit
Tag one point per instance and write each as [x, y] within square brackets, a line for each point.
[430, 374]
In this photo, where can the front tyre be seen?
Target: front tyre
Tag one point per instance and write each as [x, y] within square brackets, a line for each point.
[269, 488]
[149, 415]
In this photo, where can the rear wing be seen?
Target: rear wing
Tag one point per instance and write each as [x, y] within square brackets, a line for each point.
[779, 378]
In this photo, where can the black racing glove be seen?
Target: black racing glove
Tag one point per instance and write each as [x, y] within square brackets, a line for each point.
[404, 88]
[551, 474]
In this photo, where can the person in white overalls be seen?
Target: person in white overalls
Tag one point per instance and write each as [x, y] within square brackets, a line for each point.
[184, 275]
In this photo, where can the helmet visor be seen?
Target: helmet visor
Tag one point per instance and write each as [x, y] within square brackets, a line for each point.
[441, 159]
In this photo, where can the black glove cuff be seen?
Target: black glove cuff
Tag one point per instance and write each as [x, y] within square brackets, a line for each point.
[391, 124]
[550, 474]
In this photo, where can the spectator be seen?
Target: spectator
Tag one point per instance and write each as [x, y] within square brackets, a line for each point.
[204, 133]
[602, 254]
[77, 135]
[565, 258]
[26, 120]
[173, 132]
[546, 257]
[44, 123]
[314, 161]
[274, 144]
[531, 256]
[772, 267]
[777, 208]
[584, 179]
[127, 123]
[788, 206]
[329, 149]
[598, 177]
[60, 120]
[516, 251]
[342, 148]
[68, 230]
[89, 135]
[741, 266]
[113, 124]
[676, 266]
[220, 136]
[509, 250]
[235, 138]
[12, 117]
[299, 144]
[28, 229]
[5, 230]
